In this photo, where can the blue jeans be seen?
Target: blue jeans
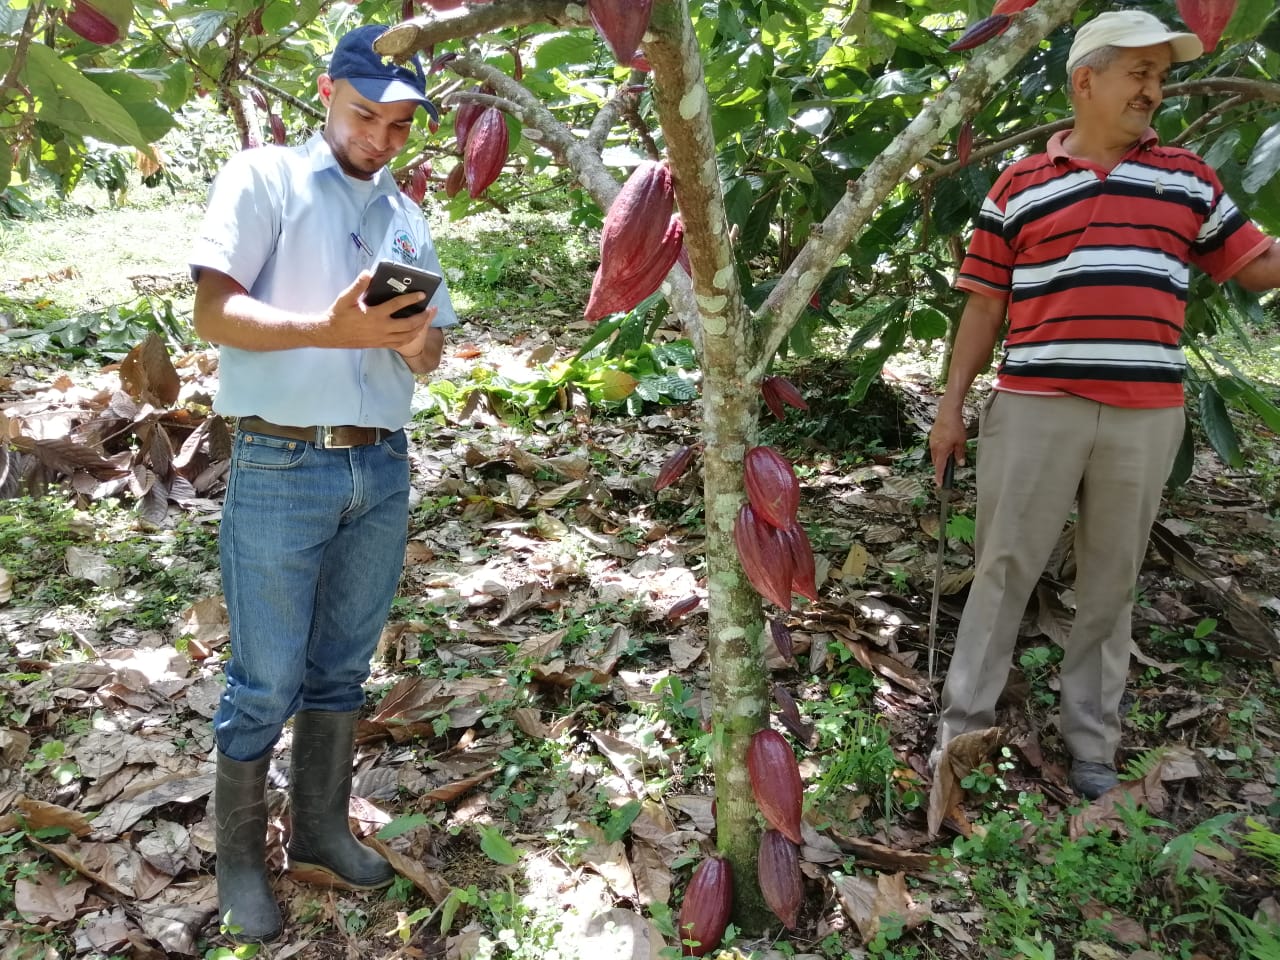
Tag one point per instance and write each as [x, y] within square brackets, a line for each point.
[312, 544]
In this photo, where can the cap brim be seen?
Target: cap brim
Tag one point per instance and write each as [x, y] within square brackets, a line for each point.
[1184, 46]
[380, 90]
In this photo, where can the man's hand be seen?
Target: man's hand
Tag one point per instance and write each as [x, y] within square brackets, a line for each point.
[947, 439]
[430, 346]
[351, 323]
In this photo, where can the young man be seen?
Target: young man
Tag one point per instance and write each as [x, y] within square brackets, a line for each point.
[1086, 249]
[314, 526]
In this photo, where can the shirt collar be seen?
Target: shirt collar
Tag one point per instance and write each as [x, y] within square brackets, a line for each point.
[321, 156]
[1058, 152]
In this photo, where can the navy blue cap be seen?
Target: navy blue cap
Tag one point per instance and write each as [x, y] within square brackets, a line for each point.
[377, 77]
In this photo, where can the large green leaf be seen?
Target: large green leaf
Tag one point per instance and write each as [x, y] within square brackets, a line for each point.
[1218, 427]
[1184, 462]
[1264, 163]
[138, 96]
[70, 101]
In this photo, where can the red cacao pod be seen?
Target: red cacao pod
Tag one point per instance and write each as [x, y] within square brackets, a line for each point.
[1207, 19]
[259, 98]
[804, 579]
[639, 243]
[781, 882]
[964, 143]
[416, 188]
[765, 557]
[786, 391]
[453, 183]
[771, 398]
[92, 24]
[674, 467]
[254, 22]
[771, 485]
[278, 133]
[621, 24]
[640, 62]
[463, 120]
[782, 639]
[487, 145]
[682, 607]
[708, 902]
[985, 29]
[1012, 6]
[775, 782]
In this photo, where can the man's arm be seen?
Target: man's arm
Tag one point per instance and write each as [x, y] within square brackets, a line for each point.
[980, 325]
[226, 314]
[1262, 272]
[427, 356]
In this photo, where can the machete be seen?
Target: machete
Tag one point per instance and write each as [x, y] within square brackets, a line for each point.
[944, 497]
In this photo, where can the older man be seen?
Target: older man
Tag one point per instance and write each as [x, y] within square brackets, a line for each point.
[1086, 249]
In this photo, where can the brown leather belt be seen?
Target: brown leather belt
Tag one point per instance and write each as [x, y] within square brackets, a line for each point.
[326, 438]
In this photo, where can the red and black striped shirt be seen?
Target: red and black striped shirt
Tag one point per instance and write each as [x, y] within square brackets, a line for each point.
[1095, 268]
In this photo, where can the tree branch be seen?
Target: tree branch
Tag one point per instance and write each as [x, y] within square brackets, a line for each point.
[310, 109]
[543, 128]
[405, 39]
[829, 239]
[10, 81]
[1244, 90]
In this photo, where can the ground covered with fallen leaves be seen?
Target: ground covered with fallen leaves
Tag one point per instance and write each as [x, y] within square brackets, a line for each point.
[533, 757]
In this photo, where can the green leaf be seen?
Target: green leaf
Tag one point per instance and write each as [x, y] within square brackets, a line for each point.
[620, 821]
[70, 101]
[277, 16]
[206, 25]
[566, 49]
[1218, 427]
[1264, 163]
[497, 847]
[402, 825]
[928, 323]
[138, 96]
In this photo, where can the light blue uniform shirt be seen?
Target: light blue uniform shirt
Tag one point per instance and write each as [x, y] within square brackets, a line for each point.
[280, 223]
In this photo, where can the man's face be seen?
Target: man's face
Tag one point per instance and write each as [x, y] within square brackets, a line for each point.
[1125, 94]
[363, 135]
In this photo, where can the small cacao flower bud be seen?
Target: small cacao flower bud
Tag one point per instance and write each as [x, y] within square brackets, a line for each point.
[775, 782]
[772, 486]
[708, 902]
[781, 882]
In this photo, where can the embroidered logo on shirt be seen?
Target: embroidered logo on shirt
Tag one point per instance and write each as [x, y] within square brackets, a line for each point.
[404, 246]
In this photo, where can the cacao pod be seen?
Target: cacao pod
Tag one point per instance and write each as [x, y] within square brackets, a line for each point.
[772, 400]
[259, 99]
[772, 486]
[92, 24]
[453, 183]
[416, 188]
[1012, 6]
[487, 144]
[254, 22]
[682, 607]
[278, 134]
[782, 639]
[765, 557]
[439, 62]
[964, 143]
[785, 391]
[640, 62]
[463, 120]
[985, 29]
[778, 869]
[775, 782]
[639, 243]
[1207, 19]
[674, 467]
[789, 714]
[621, 24]
[803, 573]
[708, 901]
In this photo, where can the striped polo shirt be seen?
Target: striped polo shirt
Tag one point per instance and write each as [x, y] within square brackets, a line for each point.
[1094, 266]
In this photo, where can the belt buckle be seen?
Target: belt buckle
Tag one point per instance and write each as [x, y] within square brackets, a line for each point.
[325, 440]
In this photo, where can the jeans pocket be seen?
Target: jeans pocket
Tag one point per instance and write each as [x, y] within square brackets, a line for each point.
[397, 445]
[257, 450]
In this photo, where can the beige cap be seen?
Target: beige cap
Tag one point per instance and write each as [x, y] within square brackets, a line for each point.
[1131, 28]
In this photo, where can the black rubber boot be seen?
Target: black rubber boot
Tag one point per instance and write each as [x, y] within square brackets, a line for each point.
[320, 783]
[246, 904]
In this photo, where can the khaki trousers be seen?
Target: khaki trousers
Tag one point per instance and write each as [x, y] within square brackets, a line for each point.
[1036, 456]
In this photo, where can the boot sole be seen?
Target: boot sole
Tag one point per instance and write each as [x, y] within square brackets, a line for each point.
[318, 875]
